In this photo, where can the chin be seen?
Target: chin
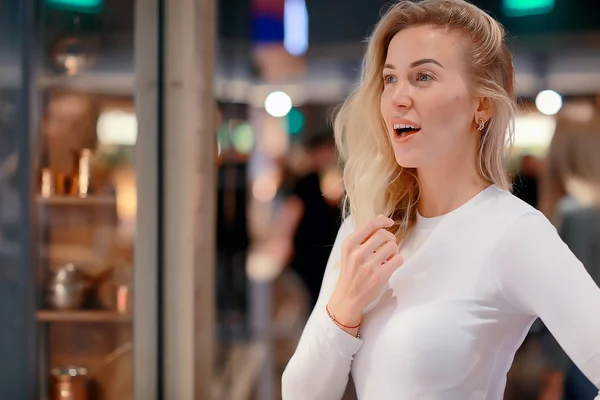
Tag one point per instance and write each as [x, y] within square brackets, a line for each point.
[408, 161]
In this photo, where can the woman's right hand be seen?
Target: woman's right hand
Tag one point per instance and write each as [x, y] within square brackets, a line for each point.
[369, 258]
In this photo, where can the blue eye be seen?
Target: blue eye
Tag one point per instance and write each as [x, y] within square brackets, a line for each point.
[424, 77]
[389, 79]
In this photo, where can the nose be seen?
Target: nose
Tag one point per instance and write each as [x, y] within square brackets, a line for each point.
[401, 96]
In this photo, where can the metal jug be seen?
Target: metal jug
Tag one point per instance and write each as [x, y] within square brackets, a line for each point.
[68, 288]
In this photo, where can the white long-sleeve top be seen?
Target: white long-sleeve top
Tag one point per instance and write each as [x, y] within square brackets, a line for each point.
[472, 283]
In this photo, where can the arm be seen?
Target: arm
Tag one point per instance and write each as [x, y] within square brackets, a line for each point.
[557, 360]
[289, 217]
[320, 367]
[280, 244]
[540, 276]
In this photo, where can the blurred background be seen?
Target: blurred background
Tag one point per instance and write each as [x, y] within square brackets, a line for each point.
[170, 191]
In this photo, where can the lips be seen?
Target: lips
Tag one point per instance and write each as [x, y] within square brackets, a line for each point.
[404, 130]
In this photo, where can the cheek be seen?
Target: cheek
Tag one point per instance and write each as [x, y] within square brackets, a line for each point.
[449, 113]
[383, 103]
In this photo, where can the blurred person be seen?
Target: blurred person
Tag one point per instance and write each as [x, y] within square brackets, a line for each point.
[571, 198]
[310, 218]
[232, 244]
[232, 230]
[438, 271]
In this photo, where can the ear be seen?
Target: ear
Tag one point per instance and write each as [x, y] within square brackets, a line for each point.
[484, 109]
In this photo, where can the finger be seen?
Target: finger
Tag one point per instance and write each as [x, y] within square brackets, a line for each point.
[365, 230]
[377, 239]
[385, 253]
[391, 266]
[378, 228]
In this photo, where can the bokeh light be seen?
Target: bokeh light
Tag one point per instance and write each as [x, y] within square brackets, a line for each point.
[278, 104]
[294, 121]
[242, 138]
[548, 102]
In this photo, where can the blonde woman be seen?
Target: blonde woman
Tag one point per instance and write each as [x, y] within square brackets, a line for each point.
[422, 138]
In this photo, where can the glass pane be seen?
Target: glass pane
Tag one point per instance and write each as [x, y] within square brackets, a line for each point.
[86, 198]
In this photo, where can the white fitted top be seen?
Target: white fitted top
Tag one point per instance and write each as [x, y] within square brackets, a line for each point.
[448, 327]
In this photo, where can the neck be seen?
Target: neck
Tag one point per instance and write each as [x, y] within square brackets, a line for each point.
[443, 192]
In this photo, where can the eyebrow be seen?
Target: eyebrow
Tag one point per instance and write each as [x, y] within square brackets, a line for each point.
[417, 63]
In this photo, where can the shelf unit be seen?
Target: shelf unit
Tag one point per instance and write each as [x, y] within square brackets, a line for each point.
[87, 232]
[83, 227]
[99, 316]
[65, 200]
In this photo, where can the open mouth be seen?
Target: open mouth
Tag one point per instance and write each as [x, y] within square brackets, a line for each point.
[403, 130]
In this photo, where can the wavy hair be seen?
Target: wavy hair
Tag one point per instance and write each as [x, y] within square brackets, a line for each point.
[375, 183]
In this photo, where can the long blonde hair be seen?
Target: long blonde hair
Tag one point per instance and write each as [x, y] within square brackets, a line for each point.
[375, 183]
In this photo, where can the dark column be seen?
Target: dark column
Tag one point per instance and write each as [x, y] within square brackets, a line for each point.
[18, 358]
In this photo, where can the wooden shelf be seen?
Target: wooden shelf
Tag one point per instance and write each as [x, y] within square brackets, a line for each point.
[82, 316]
[74, 200]
[118, 84]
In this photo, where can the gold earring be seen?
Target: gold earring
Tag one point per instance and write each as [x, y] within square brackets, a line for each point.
[480, 124]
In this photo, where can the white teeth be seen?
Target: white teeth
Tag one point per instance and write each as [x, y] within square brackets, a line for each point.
[404, 126]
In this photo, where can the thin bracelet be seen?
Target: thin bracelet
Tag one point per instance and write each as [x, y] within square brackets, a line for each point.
[332, 316]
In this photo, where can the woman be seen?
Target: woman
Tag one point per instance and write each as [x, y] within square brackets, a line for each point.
[423, 138]
[571, 197]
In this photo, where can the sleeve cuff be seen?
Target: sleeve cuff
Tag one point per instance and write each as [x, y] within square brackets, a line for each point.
[344, 343]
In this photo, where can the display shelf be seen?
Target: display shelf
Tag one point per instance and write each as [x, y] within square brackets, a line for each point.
[95, 82]
[82, 316]
[65, 200]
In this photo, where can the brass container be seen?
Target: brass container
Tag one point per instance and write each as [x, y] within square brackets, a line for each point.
[70, 383]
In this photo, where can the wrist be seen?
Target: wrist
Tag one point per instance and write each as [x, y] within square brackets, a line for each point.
[345, 313]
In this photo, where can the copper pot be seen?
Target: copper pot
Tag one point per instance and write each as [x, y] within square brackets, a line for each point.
[70, 383]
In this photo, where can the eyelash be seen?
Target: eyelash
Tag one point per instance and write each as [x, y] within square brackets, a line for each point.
[417, 77]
